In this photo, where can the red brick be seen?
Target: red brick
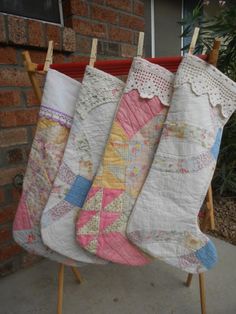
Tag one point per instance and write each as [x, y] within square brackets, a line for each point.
[89, 28]
[31, 99]
[69, 39]
[18, 118]
[13, 137]
[84, 44]
[13, 77]
[2, 195]
[118, 34]
[38, 56]
[9, 251]
[7, 214]
[132, 22]
[78, 59]
[17, 30]
[128, 51]
[5, 234]
[107, 49]
[53, 32]
[58, 57]
[9, 98]
[15, 155]
[7, 55]
[36, 31]
[139, 8]
[125, 5]
[8, 174]
[15, 194]
[76, 7]
[3, 36]
[104, 14]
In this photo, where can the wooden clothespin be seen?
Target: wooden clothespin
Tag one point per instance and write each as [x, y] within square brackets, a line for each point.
[214, 54]
[49, 56]
[93, 54]
[194, 40]
[140, 44]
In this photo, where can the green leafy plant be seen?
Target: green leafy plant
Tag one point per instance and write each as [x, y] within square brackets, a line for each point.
[222, 26]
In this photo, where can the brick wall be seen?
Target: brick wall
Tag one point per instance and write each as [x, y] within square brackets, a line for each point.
[115, 23]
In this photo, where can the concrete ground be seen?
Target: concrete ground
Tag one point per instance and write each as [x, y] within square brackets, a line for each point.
[116, 289]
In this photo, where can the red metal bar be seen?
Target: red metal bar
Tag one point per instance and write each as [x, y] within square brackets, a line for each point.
[114, 67]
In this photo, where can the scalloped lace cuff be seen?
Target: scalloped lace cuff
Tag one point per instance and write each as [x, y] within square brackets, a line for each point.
[150, 80]
[204, 78]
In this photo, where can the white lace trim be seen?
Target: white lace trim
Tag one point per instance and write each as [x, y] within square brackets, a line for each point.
[55, 115]
[207, 79]
[98, 88]
[150, 80]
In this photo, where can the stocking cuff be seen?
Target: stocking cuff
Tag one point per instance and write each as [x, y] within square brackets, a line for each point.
[98, 87]
[150, 80]
[204, 78]
[59, 98]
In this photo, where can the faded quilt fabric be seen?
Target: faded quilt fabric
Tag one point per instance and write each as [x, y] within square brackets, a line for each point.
[164, 220]
[55, 118]
[129, 152]
[94, 113]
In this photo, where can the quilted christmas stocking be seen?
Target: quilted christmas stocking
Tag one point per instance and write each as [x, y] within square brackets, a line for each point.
[95, 109]
[55, 118]
[164, 221]
[129, 151]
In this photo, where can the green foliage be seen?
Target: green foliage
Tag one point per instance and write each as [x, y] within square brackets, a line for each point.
[222, 26]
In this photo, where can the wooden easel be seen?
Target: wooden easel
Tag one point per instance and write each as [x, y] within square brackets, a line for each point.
[213, 57]
[32, 71]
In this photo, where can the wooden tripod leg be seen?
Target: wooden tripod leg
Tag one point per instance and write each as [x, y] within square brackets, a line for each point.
[31, 69]
[202, 293]
[60, 288]
[209, 216]
[189, 280]
[77, 274]
[211, 208]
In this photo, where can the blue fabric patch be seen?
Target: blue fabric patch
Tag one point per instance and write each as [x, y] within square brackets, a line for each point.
[207, 255]
[216, 146]
[78, 191]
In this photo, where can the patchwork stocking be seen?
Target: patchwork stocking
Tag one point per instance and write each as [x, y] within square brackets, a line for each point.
[164, 221]
[95, 109]
[131, 145]
[55, 118]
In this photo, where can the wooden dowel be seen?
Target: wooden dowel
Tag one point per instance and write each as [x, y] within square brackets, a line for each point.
[194, 40]
[202, 293]
[213, 58]
[60, 288]
[140, 44]
[189, 280]
[214, 54]
[211, 205]
[49, 56]
[77, 274]
[93, 55]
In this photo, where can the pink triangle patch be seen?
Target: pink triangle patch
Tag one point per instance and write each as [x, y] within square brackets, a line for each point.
[107, 219]
[22, 220]
[84, 218]
[109, 195]
[85, 240]
[92, 192]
